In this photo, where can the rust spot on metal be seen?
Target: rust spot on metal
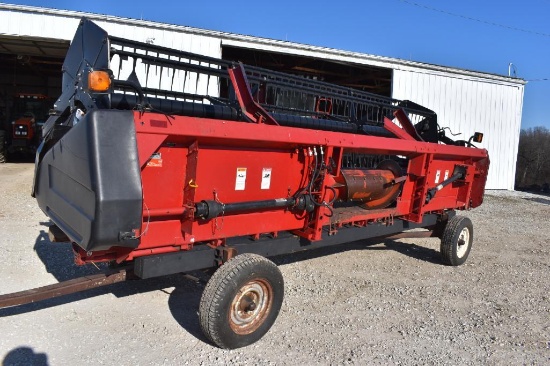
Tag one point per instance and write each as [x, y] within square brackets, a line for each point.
[56, 235]
[226, 253]
[374, 188]
[251, 306]
[64, 288]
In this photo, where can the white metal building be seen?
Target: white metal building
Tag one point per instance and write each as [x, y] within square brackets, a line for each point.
[33, 42]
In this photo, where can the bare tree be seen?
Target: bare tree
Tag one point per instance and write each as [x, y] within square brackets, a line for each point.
[533, 164]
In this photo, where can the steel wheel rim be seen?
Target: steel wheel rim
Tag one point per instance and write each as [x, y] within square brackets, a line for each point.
[463, 242]
[250, 306]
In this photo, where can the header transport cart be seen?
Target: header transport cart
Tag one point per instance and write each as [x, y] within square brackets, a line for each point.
[162, 161]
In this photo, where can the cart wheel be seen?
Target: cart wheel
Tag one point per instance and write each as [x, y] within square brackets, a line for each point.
[241, 301]
[456, 241]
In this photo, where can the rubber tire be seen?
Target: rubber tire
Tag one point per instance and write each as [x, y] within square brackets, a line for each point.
[222, 288]
[3, 150]
[450, 240]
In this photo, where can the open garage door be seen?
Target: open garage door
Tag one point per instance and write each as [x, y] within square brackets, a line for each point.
[367, 78]
[30, 80]
[29, 67]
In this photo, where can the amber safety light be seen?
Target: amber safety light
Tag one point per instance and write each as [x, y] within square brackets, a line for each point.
[478, 137]
[99, 81]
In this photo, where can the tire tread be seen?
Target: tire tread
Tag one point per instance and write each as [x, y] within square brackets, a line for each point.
[216, 289]
[450, 234]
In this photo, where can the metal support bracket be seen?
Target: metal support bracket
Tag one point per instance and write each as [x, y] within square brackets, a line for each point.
[251, 109]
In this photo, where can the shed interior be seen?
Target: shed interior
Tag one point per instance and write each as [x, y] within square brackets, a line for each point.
[30, 76]
[30, 72]
[367, 78]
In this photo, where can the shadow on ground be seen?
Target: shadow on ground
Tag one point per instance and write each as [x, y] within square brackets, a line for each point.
[20, 158]
[25, 356]
[185, 298]
[544, 201]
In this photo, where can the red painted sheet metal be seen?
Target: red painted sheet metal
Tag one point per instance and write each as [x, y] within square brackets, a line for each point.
[407, 124]
[187, 160]
[238, 134]
[396, 130]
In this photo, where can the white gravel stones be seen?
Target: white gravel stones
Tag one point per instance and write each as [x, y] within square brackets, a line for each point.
[372, 302]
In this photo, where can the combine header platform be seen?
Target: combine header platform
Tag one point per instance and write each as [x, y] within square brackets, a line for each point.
[163, 161]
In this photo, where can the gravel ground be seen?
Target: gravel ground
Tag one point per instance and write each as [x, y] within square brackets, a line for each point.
[390, 302]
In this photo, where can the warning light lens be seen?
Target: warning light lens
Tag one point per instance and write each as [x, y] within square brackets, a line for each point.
[99, 81]
[478, 137]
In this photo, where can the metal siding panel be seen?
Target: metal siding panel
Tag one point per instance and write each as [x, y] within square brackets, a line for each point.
[406, 91]
[141, 35]
[439, 103]
[446, 91]
[5, 24]
[398, 83]
[16, 25]
[473, 105]
[506, 120]
[502, 123]
[68, 26]
[492, 145]
[488, 113]
[454, 107]
[405, 84]
[504, 156]
[465, 100]
[425, 88]
[58, 27]
[476, 121]
[186, 42]
[420, 90]
[467, 106]
[446, 105]
[458, 108]
[517, 122]
[412, 86]
[516, 99]
[436, 89]
[37, 25]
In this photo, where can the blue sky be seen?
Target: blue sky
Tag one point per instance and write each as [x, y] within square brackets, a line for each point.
[481, 35]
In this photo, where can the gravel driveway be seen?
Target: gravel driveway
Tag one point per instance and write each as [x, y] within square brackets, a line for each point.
[389, 302]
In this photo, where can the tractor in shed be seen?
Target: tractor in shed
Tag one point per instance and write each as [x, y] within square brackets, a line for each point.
[22, 135]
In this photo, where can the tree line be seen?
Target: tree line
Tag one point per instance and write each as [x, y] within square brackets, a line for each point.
[533, 164]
